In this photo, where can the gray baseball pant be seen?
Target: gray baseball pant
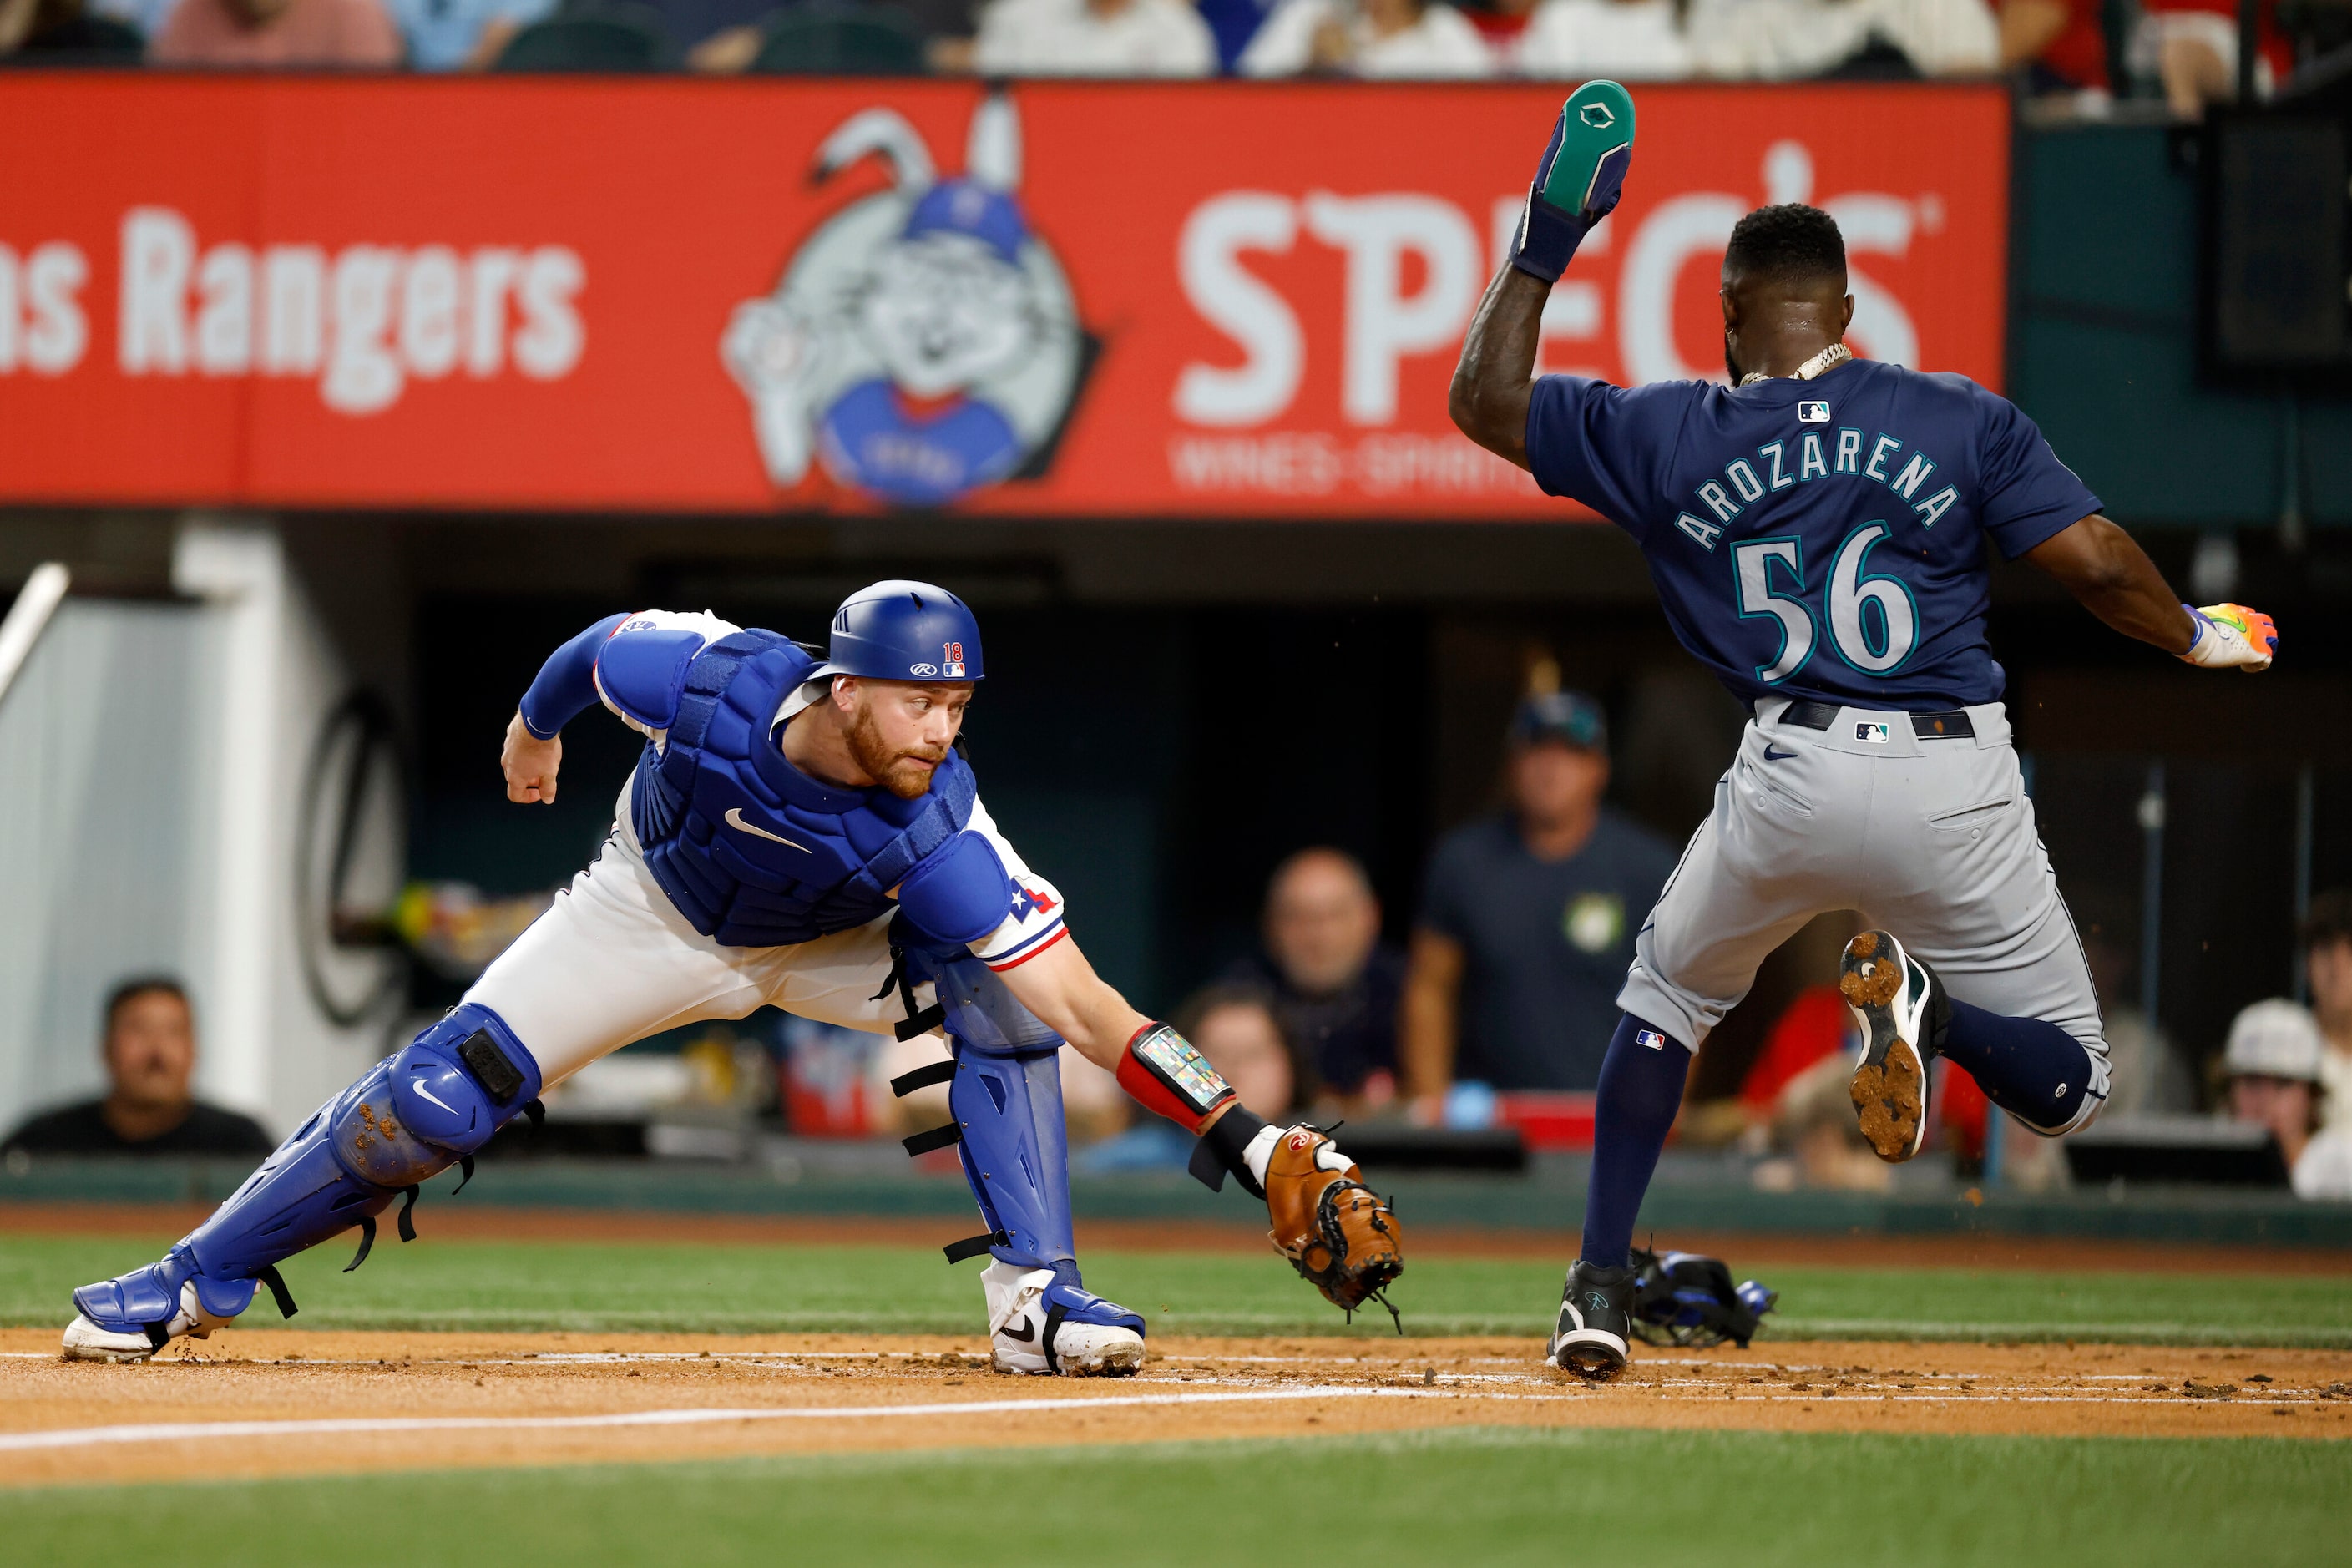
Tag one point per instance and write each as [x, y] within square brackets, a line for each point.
[1932, 839]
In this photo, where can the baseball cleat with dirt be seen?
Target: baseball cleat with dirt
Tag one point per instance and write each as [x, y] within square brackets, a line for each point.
[1901, 1007]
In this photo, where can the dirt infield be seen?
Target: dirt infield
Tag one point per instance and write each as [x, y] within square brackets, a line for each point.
[262, 1402]
[1748, 1249]
[283, 1401]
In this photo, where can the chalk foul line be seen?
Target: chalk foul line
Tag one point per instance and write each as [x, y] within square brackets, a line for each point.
[183, 1431]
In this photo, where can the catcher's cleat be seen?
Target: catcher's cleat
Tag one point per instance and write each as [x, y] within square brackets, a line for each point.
[1041, 1326]
[1900, 1004]
[1596, 1323]
[112, 1325]
[86, 1341]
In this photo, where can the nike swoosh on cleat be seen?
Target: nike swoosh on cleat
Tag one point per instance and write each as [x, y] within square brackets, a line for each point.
[1024, 1331]
[735, 820]
[1773, 756]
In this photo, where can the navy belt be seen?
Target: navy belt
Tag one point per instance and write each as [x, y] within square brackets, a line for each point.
[1954, 725]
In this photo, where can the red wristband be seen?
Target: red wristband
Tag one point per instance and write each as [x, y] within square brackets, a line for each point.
[1168, 1077]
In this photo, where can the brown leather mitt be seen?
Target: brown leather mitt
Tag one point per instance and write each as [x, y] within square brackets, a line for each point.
[1339, 1235]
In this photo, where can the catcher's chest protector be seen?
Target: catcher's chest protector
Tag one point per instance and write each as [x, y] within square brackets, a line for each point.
[752, 851]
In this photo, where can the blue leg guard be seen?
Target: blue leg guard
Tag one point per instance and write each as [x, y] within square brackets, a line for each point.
[1009, 1110]
[1004, 1089]
[409, 1118]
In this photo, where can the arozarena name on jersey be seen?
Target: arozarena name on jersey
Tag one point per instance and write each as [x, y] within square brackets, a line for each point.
[1817, 455]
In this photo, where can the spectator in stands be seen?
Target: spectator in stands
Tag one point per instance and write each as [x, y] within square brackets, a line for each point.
[2054, 45]
[1238, 1032]
[1814, 1138]
[1816, 1025]
[462, 35]
[2185, 49]
[1783, 40]
[2189, 49]
[1332, 985]
[1527, 920]
[150, 1053]
[2145, 1075]
[1630, 40]
[1093, 37]
[1422, 39]
[1501, 24]
[64, 33]
[2327, 964]
[305, 34]
[1232, 24]
[2271, 1066]
[145, 16]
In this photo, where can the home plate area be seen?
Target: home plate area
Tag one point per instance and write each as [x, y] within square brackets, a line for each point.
[274, 1402]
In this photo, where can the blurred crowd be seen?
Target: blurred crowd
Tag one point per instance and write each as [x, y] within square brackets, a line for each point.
[1495, 1011]
[147, 1044]
[1499, 1010]
[2182, 52]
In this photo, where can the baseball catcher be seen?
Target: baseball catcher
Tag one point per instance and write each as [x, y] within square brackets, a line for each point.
[802, 830]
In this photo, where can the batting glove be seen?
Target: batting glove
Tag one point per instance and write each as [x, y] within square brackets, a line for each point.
[1579, 182]
[2231, 637]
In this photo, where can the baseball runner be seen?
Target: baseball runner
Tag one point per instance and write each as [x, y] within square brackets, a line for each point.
[1816, 531]
[800, 830]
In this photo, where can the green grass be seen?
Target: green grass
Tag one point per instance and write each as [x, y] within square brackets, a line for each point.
[1481, 1496]
[437, 1284]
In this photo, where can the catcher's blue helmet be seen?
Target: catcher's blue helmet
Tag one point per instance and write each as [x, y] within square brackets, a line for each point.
[901, 630]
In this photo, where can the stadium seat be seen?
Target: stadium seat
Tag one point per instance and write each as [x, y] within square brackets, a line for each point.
[612, 36]
[851, 41]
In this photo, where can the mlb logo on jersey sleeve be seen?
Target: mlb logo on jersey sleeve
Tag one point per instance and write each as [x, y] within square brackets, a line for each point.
[1650, 1039]
[1812, 412]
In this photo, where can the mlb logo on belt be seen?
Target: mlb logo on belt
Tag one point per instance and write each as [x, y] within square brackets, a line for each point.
[1813, 413]
[1871, 733]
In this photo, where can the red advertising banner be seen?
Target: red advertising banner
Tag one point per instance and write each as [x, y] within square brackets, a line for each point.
[1080, 298]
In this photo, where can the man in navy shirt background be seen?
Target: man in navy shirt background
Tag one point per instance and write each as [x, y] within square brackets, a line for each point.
[1527, 919]
[1816, 531]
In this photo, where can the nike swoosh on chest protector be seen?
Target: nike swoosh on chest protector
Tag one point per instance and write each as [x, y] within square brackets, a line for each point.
[735, 820]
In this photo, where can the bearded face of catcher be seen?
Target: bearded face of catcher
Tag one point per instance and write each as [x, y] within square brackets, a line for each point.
[899, 733]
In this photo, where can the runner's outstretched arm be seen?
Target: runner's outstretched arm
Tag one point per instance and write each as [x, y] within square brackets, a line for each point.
[2113, 578]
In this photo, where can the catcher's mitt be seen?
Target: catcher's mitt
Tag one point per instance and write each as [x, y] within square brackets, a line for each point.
[1339, 1235]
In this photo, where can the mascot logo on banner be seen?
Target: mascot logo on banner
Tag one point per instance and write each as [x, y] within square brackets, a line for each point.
[923, 343]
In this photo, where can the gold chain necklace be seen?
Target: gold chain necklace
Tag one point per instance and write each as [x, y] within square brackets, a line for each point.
[1835, 354]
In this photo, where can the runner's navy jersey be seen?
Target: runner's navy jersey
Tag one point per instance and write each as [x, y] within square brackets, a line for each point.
[1816, 538]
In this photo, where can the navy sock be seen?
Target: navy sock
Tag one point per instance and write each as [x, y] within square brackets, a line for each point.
[1641, 1090]
[2035, 1071]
